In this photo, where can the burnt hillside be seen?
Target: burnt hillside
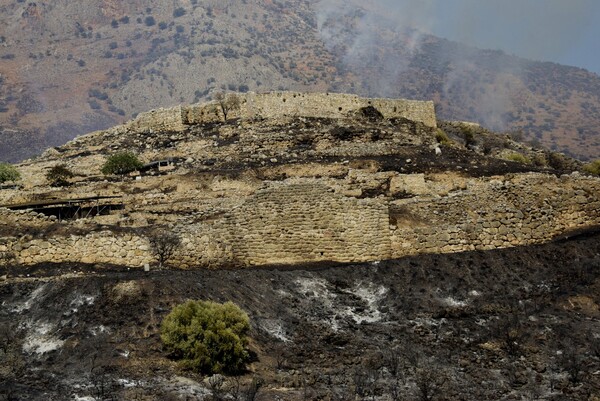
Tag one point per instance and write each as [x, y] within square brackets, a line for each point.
[506, 324]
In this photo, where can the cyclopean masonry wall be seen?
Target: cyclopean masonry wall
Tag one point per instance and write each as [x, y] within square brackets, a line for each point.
[283, 104]
[298, 221]
[308, 222]
[525, 209]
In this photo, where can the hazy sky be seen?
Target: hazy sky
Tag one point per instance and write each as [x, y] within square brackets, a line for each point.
[563, 31]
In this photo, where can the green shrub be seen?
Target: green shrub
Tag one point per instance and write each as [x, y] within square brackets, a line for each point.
[557, 161]
[121, 163]
[441, 137]
[468, 134]
[8, 172]
[207, 337]
[59, 175]
[593, 168]
[539, 160]
[519, 158]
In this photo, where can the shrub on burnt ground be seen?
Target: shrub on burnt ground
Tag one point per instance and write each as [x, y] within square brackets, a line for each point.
[441, 137]
[593, 168]
[121, 163]
[59, 175]
[207, 337]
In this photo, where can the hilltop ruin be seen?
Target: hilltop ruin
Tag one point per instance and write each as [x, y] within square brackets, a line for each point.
[293, 178]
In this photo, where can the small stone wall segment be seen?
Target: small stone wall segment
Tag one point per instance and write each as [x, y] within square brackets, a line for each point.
[170, 119]
[306, 223]
[97, 247]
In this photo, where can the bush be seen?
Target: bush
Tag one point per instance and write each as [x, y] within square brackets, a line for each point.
[441, 137]
[207, 336]
[469, 136]
[593, 167]
[557, 161]
[8, 172]
[58, 176]
[121, 163]
[163, 245]
[179, 12]
[519, 158]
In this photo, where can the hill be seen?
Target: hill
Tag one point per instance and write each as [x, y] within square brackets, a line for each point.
[369, 248]
[68, 69]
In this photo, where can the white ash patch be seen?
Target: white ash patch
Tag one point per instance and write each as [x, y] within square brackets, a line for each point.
[36, 296]
[275, 329]
[40, 339]
[371, 294]
[453, 302]
[185, 387]
[317, 290]
[78, 301]
[126, 383]
[99, 330]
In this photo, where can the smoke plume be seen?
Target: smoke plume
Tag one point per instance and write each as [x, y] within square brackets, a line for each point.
[536, 29]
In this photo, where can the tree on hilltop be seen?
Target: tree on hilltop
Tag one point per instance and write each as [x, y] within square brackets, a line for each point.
[227, 102]
[121, 163]
[59, 175]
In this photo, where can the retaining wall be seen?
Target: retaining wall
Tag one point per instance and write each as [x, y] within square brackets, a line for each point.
[306, 221]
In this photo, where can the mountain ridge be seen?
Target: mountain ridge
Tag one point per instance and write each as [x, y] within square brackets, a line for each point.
[69, 69]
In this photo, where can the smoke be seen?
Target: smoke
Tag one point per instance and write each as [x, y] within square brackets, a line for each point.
[355, 29]
[535, 29]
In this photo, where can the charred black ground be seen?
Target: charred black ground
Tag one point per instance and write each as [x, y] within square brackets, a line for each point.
[518, 323]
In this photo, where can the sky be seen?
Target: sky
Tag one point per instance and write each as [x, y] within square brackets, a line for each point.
[561, 31]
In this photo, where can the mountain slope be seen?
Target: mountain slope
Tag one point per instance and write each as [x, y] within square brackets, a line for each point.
[67, 68]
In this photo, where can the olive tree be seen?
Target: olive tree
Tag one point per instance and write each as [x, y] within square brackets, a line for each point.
[121, 163]
[59, 175]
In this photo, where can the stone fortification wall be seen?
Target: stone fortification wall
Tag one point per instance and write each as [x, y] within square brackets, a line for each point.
[284, 104]
[332, 105]
[303, 220]
[528, 209]
[307, 222]
[96, 247]
[170, 119]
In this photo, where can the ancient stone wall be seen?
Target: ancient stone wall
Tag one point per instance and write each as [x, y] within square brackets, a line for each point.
[304, 220]
[332, 105]
[285, 104]
[170, 119]
[528, 209]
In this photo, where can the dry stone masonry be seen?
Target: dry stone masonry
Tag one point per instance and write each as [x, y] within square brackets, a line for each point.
[285, 104]
[306, 220]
